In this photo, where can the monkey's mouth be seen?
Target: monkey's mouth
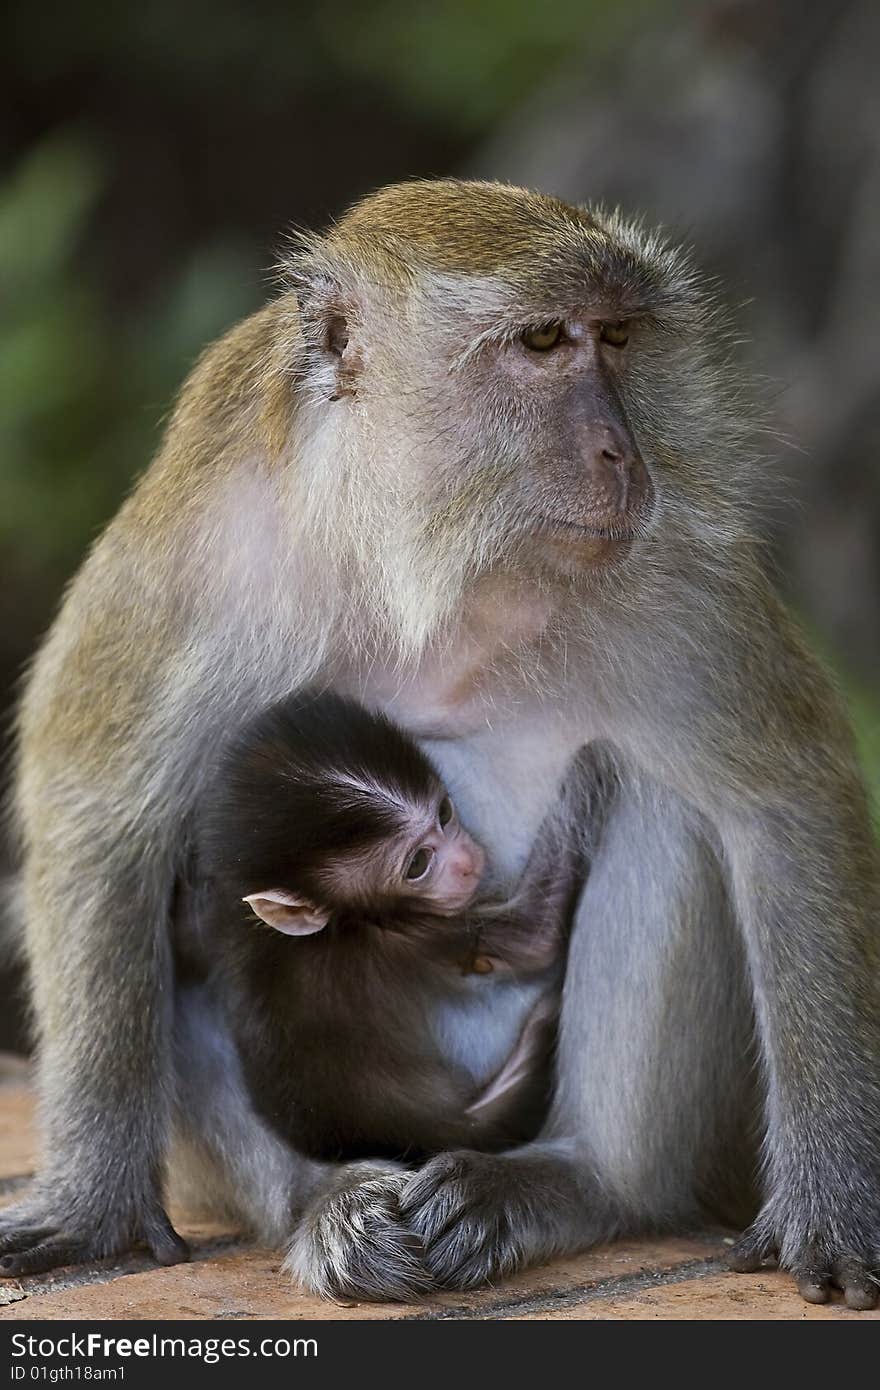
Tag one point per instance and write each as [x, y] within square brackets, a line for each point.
[610, 531]
[601, 540]
[591, 544]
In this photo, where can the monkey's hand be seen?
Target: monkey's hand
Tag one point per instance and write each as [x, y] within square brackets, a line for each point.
[39, 1234]
[352, 1242]
[849, 1261]
[483, 1216]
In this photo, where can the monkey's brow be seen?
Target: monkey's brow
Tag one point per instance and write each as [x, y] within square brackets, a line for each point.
[371, 787]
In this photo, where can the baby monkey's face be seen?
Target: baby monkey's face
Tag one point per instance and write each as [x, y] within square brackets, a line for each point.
[435, 863]
[428, 864]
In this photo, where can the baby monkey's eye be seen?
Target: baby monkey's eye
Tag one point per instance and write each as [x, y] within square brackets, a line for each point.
[542, 339]
[444, 812]
[419, 865]
[615, 334]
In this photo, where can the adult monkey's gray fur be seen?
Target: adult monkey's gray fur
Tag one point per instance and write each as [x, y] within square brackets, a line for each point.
[402, 479]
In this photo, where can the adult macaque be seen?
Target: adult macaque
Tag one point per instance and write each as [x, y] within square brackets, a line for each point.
[410, 1014]
[483, 464]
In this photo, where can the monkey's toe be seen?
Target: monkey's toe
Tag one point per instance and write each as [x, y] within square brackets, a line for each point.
[816, 1267]
[860, 1284]
[163, 1242]
[54, 1253]
[13, 1241]
[37, 1236]
[813, 1286]
[753, 1251]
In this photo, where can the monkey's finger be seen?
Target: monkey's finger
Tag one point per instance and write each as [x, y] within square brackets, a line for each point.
[49, 1254]
[813, 1285]
[812, 1274]
[433, 1192]
[431, 1228]
[24, 1237]
[441, 1218]
[861, 1287]
[164, 1244]
[467, 1255]
[751, 1253]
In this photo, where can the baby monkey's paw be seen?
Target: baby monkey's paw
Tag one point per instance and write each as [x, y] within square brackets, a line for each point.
[39, 1234]
[817, 1266]
[352, 1243]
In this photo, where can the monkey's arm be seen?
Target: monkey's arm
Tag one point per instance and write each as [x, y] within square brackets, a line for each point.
[123, 705]
[98, 882]
[770, 761]
[806, 882]
[529, 933]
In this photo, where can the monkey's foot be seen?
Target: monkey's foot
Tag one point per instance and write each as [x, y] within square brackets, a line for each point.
[482, 1216]
[37, 1235]
[817, 1265]
[352, 1243]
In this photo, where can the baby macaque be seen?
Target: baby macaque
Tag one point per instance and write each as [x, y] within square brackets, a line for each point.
[382, 1003]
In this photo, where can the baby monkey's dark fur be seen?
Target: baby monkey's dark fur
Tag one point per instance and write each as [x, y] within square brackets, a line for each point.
[341, 1030]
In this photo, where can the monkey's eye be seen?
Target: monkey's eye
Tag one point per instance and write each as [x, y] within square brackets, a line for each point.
[444, 813]
[542, 339]
[614, 334]
[419, 865]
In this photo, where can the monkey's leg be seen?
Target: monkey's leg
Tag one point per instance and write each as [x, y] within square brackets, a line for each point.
[102, 996]
[655, 1068]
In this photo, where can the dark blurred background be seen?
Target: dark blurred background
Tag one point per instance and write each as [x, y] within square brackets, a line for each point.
[153, 154]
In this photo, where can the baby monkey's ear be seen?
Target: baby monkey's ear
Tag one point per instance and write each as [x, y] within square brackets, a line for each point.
[287, 913]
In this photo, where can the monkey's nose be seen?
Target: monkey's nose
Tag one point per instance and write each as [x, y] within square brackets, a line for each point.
[618, 477]
[610, 444]
[469, 863]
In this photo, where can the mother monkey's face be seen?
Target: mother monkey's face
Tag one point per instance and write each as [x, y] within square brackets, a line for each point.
[506, 382]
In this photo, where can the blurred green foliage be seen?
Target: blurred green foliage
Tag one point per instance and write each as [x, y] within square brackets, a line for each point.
[470, 62]
[81, 392]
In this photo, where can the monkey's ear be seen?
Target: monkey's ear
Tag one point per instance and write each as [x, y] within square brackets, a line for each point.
[328, 316]
[287, 913]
